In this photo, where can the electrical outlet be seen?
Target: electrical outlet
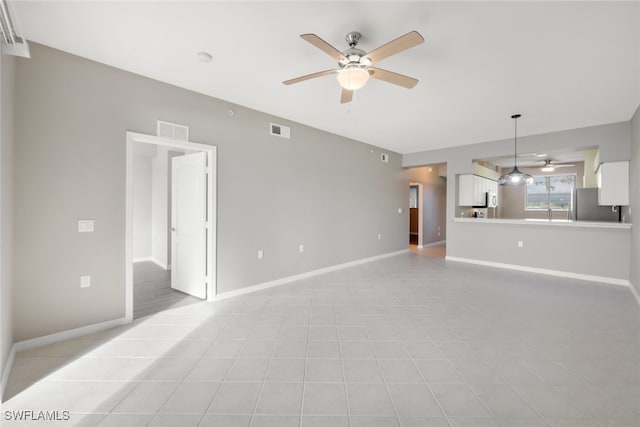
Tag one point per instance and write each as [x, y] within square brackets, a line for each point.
[379, 236]
[85, 281]
[520, 244]
[260, 254]
[301, 248]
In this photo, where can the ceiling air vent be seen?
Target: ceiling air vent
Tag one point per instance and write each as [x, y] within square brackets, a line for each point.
[173, 131]
[279, 130]
[13, 43]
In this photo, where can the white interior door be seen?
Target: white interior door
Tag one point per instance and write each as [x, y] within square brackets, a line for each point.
[188, 224]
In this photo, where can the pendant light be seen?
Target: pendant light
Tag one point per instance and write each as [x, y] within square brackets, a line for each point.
[515, 177]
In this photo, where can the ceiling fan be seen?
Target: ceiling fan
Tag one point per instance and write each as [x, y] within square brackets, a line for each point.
[355, 65]
[550, 166]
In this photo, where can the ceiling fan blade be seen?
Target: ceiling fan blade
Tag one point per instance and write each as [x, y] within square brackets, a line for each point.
[391, 77]
[405, 42]
[347, 96]
[323, 46]
[309, 76]
[563, 165]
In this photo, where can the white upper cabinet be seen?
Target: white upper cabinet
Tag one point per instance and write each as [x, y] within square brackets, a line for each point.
[613, 184]
[472, 190]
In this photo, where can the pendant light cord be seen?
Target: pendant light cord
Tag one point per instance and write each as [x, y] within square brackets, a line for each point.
[515, 144]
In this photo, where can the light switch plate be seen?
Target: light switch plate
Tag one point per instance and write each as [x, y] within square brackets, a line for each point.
[85, 281]
[85, 226]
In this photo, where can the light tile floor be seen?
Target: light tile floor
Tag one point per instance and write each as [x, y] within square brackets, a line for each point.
[407, 341]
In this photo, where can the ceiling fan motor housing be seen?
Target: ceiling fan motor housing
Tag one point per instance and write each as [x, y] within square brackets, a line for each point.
[354, 57]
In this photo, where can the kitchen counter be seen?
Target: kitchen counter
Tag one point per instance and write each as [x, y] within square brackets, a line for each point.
[548, 223]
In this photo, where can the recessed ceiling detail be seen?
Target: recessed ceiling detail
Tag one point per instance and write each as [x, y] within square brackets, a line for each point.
[204, 56]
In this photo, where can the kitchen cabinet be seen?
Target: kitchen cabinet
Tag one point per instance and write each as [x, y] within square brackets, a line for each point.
[472, 189]
[613, 183]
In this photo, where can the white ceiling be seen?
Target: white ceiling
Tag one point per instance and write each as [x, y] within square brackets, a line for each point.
[562, 65]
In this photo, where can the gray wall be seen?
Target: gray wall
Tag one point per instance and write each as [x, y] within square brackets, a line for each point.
[433, 203]
[634, 200]
[7, 96]
[591, 251]
[329, 193]
[599, 252]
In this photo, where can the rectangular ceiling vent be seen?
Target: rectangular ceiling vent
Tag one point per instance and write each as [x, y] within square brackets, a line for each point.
[173, 131]
[279, 130]
[13, 43]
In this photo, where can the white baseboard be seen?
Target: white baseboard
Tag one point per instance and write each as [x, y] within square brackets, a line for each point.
[6, 371]
[635, 293]
[153, 260]
[438, 243]
[163, 265]
[548, 272]
[69, 334]
[289, 279]
[52, 339]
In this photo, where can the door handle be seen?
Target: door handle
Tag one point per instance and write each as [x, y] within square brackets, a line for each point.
[173, 229]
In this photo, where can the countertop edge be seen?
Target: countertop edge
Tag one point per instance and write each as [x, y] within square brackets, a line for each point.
[584, 224]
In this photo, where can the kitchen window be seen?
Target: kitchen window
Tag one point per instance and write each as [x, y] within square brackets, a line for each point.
[553, 192]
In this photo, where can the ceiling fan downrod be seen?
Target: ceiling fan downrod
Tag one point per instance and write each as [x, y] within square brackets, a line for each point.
[353, 38]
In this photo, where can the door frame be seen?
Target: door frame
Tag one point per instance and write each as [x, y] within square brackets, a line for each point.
[420, 211]
[211, 223]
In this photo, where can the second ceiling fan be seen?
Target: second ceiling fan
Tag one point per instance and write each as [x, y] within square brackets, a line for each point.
[355, 65]
[550, 166]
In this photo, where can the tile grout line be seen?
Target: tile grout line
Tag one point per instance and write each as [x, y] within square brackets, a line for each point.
[304, 371]
[554, 389]
[384, 379]
[183, 381]
[266, 372]
[591, 384]
[498, 419]
[445, 415]
[344, 377]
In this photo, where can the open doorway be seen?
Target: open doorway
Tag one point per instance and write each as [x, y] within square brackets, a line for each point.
[427, 209]
[415, 214]
[170, 224]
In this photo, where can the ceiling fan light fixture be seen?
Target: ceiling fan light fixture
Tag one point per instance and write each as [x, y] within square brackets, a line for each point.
[515, 177]
[353, 78]
[548, 168]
